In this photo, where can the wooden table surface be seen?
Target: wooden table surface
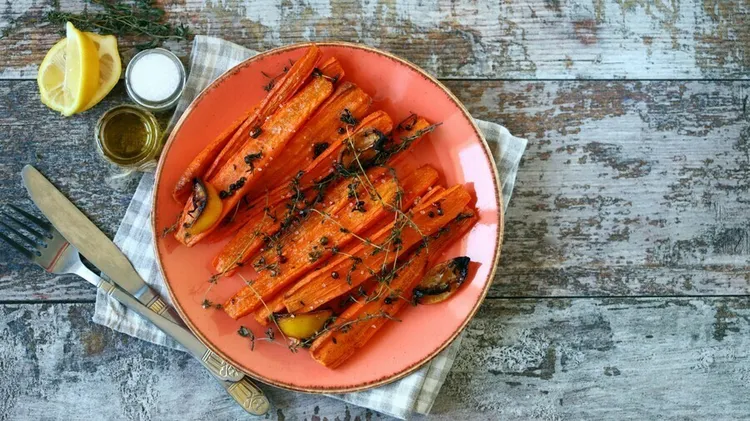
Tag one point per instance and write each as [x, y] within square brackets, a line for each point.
[623, 288]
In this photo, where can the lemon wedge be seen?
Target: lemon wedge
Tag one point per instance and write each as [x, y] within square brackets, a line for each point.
[110, 66]
[79, 71]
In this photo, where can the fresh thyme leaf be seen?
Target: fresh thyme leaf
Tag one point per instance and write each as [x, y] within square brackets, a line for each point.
[143, 18]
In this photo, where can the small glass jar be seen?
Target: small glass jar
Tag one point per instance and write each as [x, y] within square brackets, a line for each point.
[155, 79]
[129, 137]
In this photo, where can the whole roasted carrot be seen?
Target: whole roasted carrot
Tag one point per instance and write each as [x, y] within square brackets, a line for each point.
[370, 259]
[226, 144]
[240, 172]
[362, 319]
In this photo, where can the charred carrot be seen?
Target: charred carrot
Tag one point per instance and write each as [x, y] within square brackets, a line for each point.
[361, 320]
[368, 260]
[240, 172]
[284, 88]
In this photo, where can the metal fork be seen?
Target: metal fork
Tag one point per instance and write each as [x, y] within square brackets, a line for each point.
[46, 247]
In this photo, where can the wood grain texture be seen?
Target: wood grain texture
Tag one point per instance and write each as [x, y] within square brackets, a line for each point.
[487, 39]
[550, 359]
[626, 189]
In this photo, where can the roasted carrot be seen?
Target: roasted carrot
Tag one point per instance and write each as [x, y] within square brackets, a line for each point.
[367, 260]
[275, 305]
[265, 222]
[315, 137]
[200, 163]
[407, 134]
[208, 160]
[358, 323]
[308, 245]
[240, 173]
[311, 175]
[284, 88]
[334, 227]
[361, 320]
[332, 69]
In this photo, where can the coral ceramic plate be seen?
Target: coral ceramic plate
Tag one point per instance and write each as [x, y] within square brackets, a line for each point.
[456, 148]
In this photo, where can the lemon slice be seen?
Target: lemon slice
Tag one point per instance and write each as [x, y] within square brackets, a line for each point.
[110, 66]
[81, 69]
[51, 77]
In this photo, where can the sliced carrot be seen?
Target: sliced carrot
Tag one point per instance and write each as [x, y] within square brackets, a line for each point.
[211, 157]
[200, 163]
[407, 134]
[315, 137]
[332, 68]
[361, 320]
[284, 88]
[310, 244]
[355, 326]
[366, 260]
[336, 227]
[240, 173]
[275, 305]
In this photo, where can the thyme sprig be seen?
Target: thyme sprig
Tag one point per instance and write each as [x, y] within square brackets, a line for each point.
[143, 18]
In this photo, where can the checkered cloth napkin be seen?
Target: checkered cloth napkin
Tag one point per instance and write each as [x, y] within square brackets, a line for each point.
[210, 58]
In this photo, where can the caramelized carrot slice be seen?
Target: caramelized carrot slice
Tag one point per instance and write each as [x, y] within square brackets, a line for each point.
[213, 155]
[332, 68]
[361, 320]
[315, 137]
[315, 172]
[240, 172]
[367, 260]
[304, 248]
[200, 163]
[284, 88]
[355, 326]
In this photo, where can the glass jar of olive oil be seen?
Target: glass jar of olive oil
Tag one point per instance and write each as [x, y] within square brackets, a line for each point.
[129, 136]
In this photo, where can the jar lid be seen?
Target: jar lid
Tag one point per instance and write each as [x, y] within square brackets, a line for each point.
[155, 79]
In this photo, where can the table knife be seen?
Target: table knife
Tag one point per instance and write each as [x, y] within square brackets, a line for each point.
[104, 254]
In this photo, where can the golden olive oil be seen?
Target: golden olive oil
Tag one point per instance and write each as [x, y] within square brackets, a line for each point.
[128, 136]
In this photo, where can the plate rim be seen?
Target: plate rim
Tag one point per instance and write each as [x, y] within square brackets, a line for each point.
[498, 196]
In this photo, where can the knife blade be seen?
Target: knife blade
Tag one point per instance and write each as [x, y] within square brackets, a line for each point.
[93, 244]
[90, 240]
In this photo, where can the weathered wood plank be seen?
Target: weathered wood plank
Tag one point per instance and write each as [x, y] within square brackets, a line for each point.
[609, 359]
[526, 39]
[627, 188]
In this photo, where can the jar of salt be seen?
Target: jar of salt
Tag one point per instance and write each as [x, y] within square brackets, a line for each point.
[155, 79]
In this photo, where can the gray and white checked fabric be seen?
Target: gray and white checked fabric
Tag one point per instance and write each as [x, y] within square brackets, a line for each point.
[210, 58]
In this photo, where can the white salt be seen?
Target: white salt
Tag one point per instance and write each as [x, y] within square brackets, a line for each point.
[155, 77]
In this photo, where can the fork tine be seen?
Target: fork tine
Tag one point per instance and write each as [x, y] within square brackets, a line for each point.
[39, 221]
[28, 227]
[21, 249]
[18, 233]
